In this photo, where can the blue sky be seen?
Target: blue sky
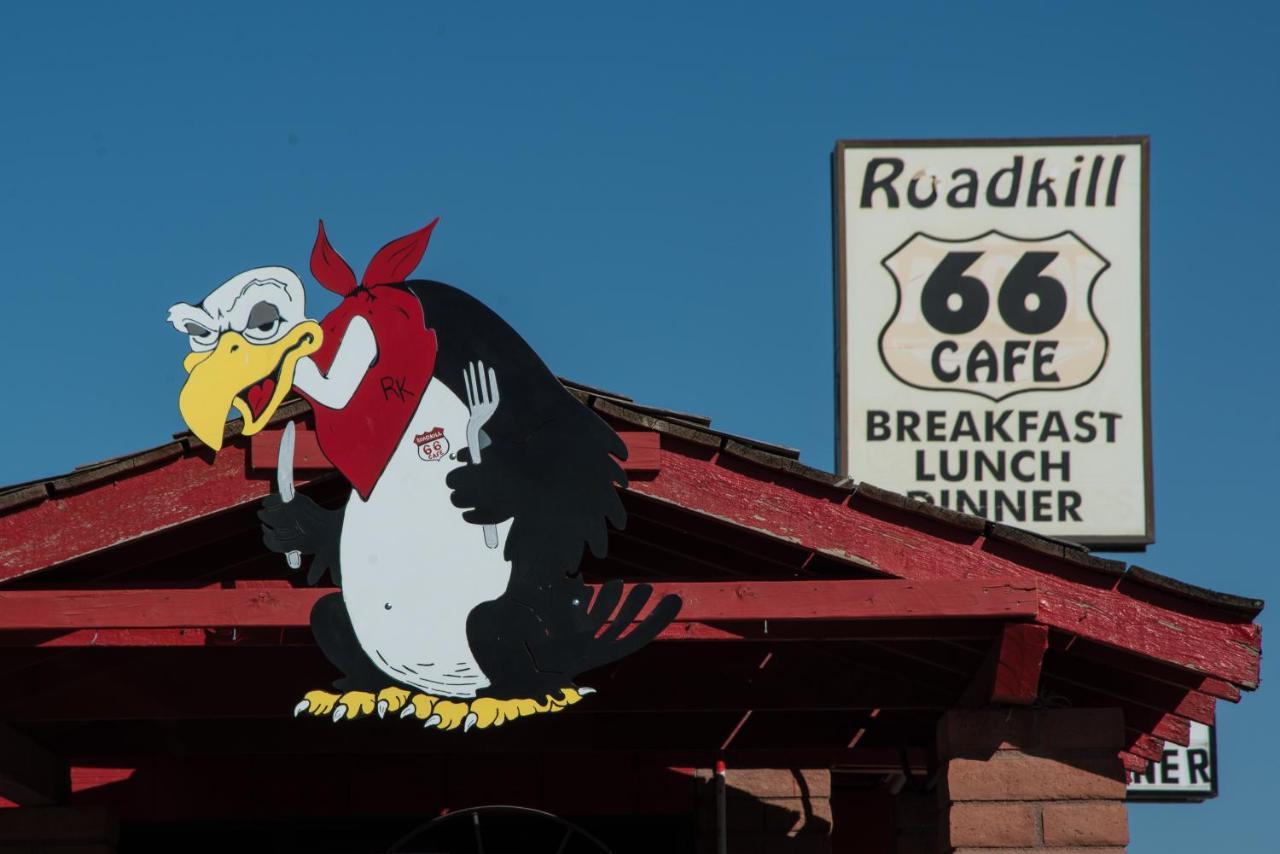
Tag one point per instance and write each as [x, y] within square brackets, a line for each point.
[643, 191]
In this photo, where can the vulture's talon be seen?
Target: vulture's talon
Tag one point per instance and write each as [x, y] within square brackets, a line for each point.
[439, 712]
[392, 699]
[317, 703]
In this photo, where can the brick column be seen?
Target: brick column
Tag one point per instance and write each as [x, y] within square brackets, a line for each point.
[1022, 780]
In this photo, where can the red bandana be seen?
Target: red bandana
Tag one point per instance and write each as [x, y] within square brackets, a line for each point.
[360, 438]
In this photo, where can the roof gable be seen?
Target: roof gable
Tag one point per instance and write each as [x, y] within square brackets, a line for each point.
[704, 505]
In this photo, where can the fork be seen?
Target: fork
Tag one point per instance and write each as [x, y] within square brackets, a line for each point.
[482, 400]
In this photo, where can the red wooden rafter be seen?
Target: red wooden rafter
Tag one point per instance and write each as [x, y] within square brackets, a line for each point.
[847, 529]
[30, 774]
[703, 603]
[1010, 673]
[182, 489]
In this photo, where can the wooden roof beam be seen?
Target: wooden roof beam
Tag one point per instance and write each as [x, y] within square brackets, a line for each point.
[703, 603]
[1074, 598]
[1010, 674]
[29, 774]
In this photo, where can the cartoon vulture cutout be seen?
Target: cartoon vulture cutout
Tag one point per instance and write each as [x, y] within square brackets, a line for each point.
[476, 478]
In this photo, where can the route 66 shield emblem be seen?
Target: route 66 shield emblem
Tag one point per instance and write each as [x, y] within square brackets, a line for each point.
[432, 445]
[994, 315]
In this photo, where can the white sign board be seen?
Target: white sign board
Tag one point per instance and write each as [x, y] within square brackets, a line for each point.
[991, 301]
[1185, 774]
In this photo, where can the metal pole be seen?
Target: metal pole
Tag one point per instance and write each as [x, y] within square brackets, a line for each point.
[722, 829]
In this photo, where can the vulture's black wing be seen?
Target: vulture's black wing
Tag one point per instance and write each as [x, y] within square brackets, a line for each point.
[549, 466]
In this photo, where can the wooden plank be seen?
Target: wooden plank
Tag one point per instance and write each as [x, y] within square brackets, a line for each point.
[1133, 687]
[282, 788]
[1221, 690]
[281, 733]
[102, 688]
[29, 774]
[703, 602]
[1133, 762]
[147, 638]
[1145, 745]
[109, 514]
[64, 829]
[137, 503]
[914, 548]
[1157, 722]
[643, 451]
[852, 600]
[1020, 654]
[264, 450]
[168, 609]
[680, 630]
[1154, 670]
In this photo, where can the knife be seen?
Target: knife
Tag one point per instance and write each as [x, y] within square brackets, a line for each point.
[284, 482]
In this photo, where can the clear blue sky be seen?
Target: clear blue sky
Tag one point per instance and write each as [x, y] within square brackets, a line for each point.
[643, 191]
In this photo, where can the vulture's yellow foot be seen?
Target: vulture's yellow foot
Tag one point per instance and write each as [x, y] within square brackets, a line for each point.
[317, 703]
[391, 700]
[352, 704]
[484, 712]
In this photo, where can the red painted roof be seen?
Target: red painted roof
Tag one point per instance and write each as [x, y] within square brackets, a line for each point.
[717, 508]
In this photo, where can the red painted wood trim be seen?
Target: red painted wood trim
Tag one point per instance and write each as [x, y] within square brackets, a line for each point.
[899, 547]
[74, 524]
[681, 630]
[130, 691]
[291, 787]
[1221, 690]
[704, 602]
[1173, 728]
[1142, 718]
[189, 487]
[155, 609]
[1086, 652]
[1018, 662]
[1132, 762]
[77, 524]
[1130, 687]
[1146, 746]
[851, 600]
[1010, 672]
[264, 450]
[643, 451]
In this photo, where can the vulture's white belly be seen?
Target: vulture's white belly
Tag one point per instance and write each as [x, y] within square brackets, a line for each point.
[412, 569]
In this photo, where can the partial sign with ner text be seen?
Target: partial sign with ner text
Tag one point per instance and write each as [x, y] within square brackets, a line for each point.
[1183, 773]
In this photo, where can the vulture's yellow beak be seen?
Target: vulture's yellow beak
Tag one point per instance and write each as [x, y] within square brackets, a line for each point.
[253, 378]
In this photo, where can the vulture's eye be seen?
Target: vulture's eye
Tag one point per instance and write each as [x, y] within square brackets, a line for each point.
[263, 323]
[201, 338]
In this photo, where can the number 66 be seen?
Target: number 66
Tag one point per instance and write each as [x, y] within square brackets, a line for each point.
[955, 303]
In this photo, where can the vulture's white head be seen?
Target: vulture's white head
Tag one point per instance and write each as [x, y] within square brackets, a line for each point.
[246, 339]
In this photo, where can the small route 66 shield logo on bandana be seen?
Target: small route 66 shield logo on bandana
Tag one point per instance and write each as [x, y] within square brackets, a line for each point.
[432, 445]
